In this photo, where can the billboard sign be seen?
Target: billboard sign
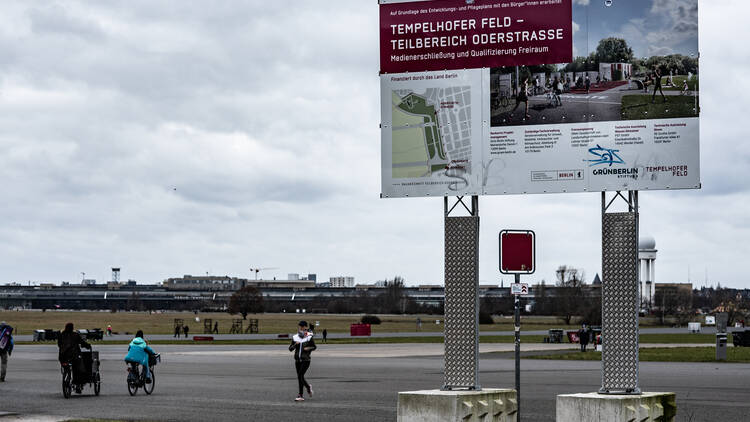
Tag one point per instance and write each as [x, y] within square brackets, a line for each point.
[538, 96]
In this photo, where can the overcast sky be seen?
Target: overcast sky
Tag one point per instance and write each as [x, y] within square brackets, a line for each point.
[171, 138]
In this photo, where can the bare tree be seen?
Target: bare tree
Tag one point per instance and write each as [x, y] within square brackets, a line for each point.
[245, 301]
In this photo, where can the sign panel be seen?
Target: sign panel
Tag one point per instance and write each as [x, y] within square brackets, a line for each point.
[517, 251]
[518, 289]
[606, 108]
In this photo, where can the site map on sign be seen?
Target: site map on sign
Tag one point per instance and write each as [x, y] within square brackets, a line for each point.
[432, 132]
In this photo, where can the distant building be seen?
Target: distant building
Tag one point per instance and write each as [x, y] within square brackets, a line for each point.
[341, 281]
[204, 282]
[293, 276]
[312, 277]
[88, 282]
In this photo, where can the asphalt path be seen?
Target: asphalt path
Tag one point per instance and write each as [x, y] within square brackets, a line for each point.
[576, 108]
[122, 337]
[351, 382]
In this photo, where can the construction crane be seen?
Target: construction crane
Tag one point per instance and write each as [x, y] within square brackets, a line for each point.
[257, 270]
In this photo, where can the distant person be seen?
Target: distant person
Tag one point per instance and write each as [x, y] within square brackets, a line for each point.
[325, 336]
[216, 327]
[685, 87]
[177, 331]
[186, 330]
[583, 338]
[657, 85]
[69, 345]
[522, 97]
[302, 345]
[109, 330]
[588, 84]
[557, 89]
[139, 352]
[6, 347]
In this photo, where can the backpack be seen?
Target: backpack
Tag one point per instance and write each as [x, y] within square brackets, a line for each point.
[5, 334]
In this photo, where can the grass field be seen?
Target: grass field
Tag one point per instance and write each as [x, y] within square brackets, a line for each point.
[25, 322]
[693, 83]
[677, 354]
[639, 107]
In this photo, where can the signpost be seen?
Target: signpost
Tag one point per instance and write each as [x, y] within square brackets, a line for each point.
[517, 256]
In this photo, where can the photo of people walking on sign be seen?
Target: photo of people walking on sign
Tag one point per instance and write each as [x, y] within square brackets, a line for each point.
[638, 67]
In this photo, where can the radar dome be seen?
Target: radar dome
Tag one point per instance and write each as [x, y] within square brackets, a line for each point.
[647, 242]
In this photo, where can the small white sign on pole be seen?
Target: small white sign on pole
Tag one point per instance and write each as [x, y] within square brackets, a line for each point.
[517, 289]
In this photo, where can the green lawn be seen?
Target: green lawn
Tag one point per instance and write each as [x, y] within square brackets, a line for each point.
[639, 107]
[693, 83]
[676, 354]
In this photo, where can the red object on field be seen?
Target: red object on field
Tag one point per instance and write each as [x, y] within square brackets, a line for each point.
[573, 336]
[203, 338]
[517, 251]
[360, 330]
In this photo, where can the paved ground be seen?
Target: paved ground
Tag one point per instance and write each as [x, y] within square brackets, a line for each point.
[575, 108]
[198, 383]
[683, 330]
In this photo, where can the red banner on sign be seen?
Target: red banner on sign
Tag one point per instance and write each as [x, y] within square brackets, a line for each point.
[451, 34]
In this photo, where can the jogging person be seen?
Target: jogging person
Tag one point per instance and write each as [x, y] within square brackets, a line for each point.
[6, 348]
[657, 85]
[522, 97]
[139, 352]
[302, 345]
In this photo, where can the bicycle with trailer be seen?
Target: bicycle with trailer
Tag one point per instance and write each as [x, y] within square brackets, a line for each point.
[74, 379]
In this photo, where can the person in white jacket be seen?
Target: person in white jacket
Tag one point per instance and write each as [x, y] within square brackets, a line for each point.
[302, 345]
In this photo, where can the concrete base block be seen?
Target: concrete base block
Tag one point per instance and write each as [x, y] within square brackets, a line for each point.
[594, 407]
[487, 405]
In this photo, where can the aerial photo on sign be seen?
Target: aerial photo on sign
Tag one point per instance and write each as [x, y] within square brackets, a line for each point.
[547, 96]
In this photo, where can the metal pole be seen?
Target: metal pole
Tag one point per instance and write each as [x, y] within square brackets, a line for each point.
[518, 350]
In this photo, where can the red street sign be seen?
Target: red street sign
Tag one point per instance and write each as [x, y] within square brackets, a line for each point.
[517, 252]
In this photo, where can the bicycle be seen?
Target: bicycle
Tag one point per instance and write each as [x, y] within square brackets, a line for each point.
[94, 377]
[137, 377]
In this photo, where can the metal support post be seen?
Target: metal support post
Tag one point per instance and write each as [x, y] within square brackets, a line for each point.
[461, 296]
[620, 296]
[518, 348]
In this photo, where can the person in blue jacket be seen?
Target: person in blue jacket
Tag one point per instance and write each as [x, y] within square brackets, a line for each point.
[138, 352]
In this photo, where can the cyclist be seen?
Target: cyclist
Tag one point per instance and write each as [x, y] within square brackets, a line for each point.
[139, 352]
[70, 342]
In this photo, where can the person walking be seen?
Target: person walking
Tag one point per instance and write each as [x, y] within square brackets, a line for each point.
[325, 336]
[185, 330]
[6, 347]
[302, 345]
[588, 84]
[177, 331]
[522, 97]
[109, 330]
[657, 85]
[216, 327]
[583, 338]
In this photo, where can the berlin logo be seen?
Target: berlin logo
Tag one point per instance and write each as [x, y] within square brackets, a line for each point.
[605, 156]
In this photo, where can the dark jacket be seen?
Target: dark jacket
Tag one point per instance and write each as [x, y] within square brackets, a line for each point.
[69, 343]
[6, 339]
[583, 336]
[304, 354]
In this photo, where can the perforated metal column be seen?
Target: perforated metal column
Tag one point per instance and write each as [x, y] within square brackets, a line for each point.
[620, 303]
[461, 302]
